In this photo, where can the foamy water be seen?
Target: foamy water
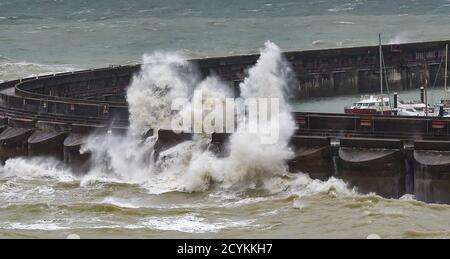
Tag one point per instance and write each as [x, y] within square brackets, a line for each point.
[36, 206]
[15, 70]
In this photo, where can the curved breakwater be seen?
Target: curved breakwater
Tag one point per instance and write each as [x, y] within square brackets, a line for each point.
[189, 192]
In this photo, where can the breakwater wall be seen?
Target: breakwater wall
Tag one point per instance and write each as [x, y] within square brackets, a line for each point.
[52, 116]
[320, 73]
[389, 165]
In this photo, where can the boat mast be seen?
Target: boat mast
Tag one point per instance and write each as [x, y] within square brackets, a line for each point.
[381, 73]
[446, 71]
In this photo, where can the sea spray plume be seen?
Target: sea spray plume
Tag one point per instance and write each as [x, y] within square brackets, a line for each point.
[36, 168]
[303, 185]
[163, 77]
[208, 99]
[250, 161]
[272, 77]
[400, 38]
[129, 158]
[175, 163]
[119, 158]
[189, 166]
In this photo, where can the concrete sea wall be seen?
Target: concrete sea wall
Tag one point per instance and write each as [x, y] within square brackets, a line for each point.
[390, 155]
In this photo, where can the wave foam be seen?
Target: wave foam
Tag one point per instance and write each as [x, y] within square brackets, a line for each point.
[194, 224]
[10, 70]
[189, 166]
[36, 168]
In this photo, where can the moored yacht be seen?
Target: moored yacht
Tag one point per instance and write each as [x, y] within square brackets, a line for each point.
[415, 108]
[371, 104]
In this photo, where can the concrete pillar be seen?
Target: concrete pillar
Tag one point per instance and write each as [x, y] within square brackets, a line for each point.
[373, 165]
[313, 156]
[395, 103]
[422, 94]
[46, 143]
[431, 171]
[13, 142]
[73, 158]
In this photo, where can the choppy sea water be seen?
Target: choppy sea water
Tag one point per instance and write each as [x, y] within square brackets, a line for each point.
[40, 198]
[55, 206]
[39, 36]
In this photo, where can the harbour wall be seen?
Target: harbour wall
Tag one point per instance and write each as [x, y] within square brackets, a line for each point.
[390, 167]
[320, 73]
[52, 116]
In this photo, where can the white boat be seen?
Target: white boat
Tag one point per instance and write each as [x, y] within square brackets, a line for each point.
[373, 104]
[415, 108]
[445, 103]
[370, 104]
[380, 104]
